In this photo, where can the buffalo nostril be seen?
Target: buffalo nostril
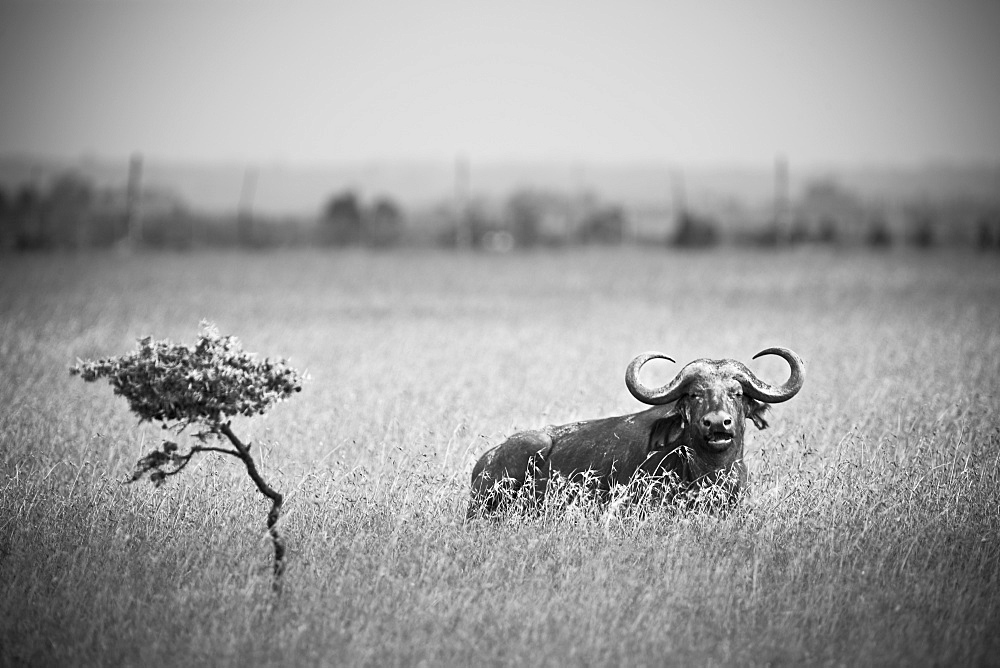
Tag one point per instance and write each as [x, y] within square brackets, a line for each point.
[728, 422]
[706, 422]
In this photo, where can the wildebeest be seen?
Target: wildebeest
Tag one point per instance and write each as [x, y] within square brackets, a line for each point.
[691, 438]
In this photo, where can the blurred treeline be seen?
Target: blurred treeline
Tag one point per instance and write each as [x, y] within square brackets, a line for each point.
[72, 213]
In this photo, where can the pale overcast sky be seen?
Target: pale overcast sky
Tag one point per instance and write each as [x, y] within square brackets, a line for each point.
[898, 82]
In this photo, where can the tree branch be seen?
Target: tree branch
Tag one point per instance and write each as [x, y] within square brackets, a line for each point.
[186, 459]
[243, 452]
[208, 448]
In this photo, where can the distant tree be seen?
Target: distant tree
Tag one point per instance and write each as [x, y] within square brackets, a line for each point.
[27, 219]
[799, 232]
[988, 232]
[605, 225]
[470, 226]
[920, 217]
[878, 235]
[695, 231]
[71, 191]
[839, 212]
[826, 197]
[27, 200]
[383, 222]
[770, 236]
[922, 232]
[524, 213]
[68, 209]
[203, 386]
[827, 230]
[343, 218]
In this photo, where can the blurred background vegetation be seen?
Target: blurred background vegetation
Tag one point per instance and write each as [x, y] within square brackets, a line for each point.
[68, 208]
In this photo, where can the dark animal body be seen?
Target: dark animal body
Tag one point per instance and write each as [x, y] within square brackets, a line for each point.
[692, 437]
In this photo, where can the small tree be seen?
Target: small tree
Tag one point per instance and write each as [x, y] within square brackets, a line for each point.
[342, 217]
[694, 231]
[203, 386]
[383, 223]
[878, 235]
[524, 212]
[604, 226]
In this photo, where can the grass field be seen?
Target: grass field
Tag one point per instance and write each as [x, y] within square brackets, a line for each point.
[871, 535]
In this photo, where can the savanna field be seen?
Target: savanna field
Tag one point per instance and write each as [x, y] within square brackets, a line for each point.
[870, 536]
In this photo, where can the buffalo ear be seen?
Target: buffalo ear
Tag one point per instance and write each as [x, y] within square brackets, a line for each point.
[666, 431]
[757, 411]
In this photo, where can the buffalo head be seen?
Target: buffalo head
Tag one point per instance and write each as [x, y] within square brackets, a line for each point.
[713, 399]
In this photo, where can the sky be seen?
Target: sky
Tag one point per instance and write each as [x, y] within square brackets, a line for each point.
[713, 82]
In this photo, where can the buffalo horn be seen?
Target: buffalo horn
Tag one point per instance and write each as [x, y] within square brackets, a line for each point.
[761, 391]
[658, 395]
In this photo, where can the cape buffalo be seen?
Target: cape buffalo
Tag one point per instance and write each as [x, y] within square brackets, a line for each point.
[691, 438]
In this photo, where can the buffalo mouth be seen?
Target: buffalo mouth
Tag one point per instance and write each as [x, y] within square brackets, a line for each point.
[719, 440]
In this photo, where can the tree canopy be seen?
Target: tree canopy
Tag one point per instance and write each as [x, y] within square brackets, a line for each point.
[208, 383]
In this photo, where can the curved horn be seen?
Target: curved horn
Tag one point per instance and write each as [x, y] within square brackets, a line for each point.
[771, 394]
[654, 396]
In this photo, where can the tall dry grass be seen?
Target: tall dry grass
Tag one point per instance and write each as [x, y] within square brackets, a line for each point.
[871, 535]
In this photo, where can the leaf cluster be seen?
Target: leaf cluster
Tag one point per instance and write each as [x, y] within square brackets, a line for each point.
[168, 461]
[154, 463]
[208, 383]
